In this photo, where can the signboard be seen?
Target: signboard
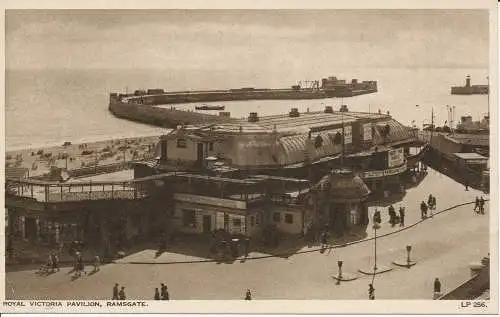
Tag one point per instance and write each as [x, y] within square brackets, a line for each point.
[395, 157]
[348, 134]
[476, 161]
[387, 172]
[206, 200]
[367, 132]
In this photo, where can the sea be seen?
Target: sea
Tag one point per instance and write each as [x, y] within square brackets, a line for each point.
[47, 107]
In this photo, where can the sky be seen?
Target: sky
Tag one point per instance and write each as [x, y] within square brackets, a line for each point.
[241, 39]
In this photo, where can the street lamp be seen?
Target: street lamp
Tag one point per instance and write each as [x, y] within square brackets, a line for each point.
[408, 262]
[408, 251]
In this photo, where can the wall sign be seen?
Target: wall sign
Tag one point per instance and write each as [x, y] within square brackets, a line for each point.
[387, 172]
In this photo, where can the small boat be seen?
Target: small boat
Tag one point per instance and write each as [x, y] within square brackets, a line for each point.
[207, 107]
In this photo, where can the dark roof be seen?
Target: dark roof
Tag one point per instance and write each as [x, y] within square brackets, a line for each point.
[471, 139]
[470, 156]
[343, 184]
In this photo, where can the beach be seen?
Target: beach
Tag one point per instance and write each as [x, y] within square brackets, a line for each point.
[74, 156]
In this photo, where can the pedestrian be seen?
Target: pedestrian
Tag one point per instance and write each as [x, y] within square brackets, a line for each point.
[466, 186]
[248, 295]
[481, 205]
[476, 205]
[434, 204]
[429, 201]
[162, 289]
[115, 291]
[247, 246]
[371, 292]
[392, 215]
[324, 240]
[55, 262]
[157, 294]
[401, 216]
[423, 209]
[121, 294]
[376, 219]
[97, 263]
[437, 287]
[49, 265]
[166, 295]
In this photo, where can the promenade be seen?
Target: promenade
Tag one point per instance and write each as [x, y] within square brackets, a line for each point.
[443, 247]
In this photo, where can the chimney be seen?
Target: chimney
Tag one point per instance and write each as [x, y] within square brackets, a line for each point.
[467, 81]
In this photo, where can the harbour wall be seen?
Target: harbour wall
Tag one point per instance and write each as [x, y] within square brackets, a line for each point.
[162, 117]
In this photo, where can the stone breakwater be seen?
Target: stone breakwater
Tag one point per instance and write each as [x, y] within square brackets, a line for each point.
[162, 117]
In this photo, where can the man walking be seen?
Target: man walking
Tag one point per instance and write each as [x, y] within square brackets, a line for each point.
[248, 295]
[423, 209]
[476, 205]
[166, 295]
[437, 288]
[121, 294]
[371, 292]
[157, 294]
[481, 205]
[115, 292]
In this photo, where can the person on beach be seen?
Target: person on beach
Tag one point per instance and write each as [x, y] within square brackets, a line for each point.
[115, 292]
[121, 294]
[157, 294]
[476, 205]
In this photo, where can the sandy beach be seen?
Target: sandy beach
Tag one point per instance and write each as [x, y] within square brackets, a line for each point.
[73, 156]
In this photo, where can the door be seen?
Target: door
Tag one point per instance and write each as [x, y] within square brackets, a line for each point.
[200, 154]
[207, 223]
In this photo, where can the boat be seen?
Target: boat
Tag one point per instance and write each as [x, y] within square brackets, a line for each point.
[208, 107]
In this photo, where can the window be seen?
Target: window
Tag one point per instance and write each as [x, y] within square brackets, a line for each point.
[237, 222]
[257, 219]
[181, 143]
[276, 217]
[189, 218]
[252, 221]
[288, 218]
[210, 146]
[226, 221]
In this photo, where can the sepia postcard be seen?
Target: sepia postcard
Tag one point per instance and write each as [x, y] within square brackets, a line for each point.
[287, 157]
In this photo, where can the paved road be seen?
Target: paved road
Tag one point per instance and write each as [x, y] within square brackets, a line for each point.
[443, 247]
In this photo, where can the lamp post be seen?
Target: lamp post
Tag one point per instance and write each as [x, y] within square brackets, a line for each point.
[408, 251]
[375, 269]
[408, 262]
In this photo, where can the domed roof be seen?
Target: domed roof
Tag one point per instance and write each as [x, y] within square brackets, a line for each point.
[343, 184]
